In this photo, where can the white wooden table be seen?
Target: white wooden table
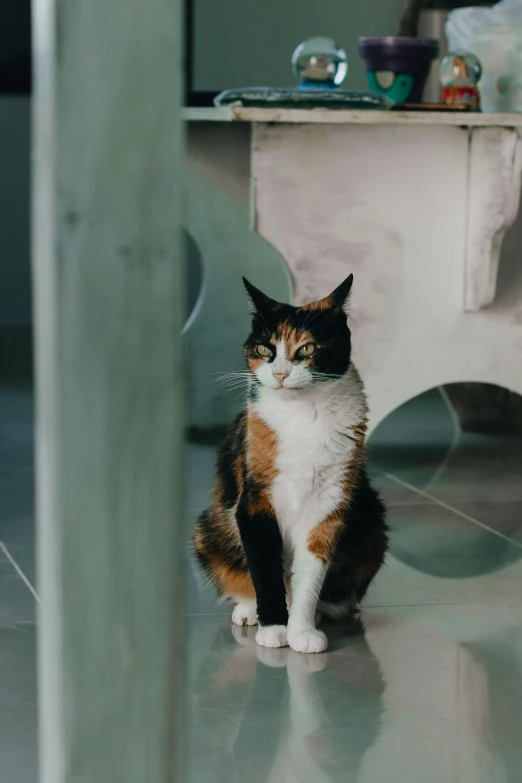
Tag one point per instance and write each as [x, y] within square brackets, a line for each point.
[416, 205]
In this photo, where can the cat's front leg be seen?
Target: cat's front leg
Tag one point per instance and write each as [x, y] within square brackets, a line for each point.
[263, 547]
[308, 574]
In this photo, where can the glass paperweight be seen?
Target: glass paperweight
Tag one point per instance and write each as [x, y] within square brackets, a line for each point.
[460, 69]
[319, 62]
[460, 74]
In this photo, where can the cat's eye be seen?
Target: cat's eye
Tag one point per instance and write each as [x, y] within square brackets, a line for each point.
[263, 350]
[306, 351]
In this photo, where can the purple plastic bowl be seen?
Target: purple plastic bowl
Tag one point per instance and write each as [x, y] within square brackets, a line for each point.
[401, 55]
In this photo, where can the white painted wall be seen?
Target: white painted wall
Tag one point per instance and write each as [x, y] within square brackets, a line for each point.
[245, 42]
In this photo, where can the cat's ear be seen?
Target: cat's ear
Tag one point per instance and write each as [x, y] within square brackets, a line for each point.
[340, 297]
[261, 302]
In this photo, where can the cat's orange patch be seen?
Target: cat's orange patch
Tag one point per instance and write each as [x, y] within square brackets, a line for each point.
[226, 579]
[323, 538]
[294, 339]
[227, 533]
[254, 362]
[321, 304]
[231, 581]
[289, 334]
[260, 503]
[217, 492]
[262, 449]
[238, 473]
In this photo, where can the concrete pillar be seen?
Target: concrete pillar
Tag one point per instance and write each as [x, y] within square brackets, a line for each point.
[108, 294]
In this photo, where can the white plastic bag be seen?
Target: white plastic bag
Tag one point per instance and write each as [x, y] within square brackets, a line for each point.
[494, 35]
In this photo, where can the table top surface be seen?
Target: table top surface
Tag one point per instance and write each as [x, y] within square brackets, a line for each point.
[353, 117]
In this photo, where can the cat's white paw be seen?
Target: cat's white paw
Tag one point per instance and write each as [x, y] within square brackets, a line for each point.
[309, 641]
[272, 636]
[245, 614]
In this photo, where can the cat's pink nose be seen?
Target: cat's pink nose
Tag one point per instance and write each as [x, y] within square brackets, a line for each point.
[280, 376]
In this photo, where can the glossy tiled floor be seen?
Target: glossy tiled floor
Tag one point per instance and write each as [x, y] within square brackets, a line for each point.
[426, 688]
[17, 603]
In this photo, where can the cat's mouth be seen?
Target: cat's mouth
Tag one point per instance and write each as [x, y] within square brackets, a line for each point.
[285, 388]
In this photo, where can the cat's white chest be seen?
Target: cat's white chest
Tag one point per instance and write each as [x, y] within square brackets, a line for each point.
[309, 473]
[312, 456]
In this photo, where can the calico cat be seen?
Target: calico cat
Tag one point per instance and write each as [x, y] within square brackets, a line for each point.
[294, 525]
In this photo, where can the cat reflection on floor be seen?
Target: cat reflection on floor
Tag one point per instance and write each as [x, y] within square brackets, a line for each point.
[271, 715]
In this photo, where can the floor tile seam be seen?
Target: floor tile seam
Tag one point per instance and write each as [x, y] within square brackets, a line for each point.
[19, 571]
[442, 504]
[373, 607]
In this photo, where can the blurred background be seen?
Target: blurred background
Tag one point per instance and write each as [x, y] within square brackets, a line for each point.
[428, 686]
[15, 116]
[245, 43]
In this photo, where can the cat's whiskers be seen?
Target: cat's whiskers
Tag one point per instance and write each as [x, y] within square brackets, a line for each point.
[242, 394]
[231, 372]
[232, 387]
[225, 378]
